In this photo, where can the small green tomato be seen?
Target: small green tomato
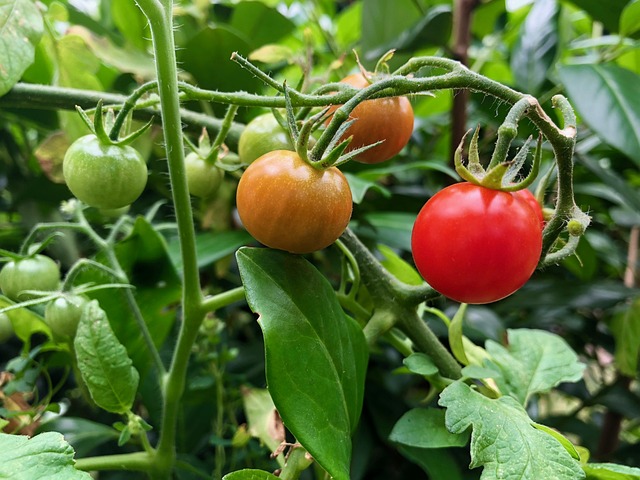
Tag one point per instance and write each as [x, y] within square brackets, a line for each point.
[63, 315]
[31, 273]
[204, 179]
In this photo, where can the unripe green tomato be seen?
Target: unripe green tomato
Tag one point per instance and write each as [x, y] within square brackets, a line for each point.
[104, 175]
[32, 273]
[203, 178]
[63, 314]
[6, 328]
[262, 135]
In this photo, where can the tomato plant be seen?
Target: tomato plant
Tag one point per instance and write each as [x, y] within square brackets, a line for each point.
[103, 175]
[63, 314]
[476, 245]
[286, 203]
[203, 178]
[37, 272]
[261, 135]
[389, 120]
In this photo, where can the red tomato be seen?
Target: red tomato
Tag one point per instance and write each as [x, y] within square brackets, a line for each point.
[476, 245]
[388, 119]
[528, 197]
[286, 203]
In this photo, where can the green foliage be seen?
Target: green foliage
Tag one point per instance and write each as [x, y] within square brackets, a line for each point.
[21, 31]
[535, 361]
[172, 341]
[45, 456]
[503, 440]
[303, 323]
[103, 362]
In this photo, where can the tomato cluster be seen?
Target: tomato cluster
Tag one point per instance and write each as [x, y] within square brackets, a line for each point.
[477, 245]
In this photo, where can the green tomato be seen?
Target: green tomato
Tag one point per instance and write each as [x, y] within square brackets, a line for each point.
[31, 273]
[204, 179]
[262, 135]
[6, 328]
[63, 315]
[104, 175]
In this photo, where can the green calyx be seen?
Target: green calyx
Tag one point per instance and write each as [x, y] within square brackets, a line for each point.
[500, 174]
[100, 124]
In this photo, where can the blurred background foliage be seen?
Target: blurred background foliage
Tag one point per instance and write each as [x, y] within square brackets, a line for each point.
[587, 50]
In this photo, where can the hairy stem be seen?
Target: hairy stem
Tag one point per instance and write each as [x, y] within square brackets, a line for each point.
[160, 22]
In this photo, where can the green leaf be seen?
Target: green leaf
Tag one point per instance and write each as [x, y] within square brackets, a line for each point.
[621, 192]
[608, 13]
[456, 337]
[359, 187]
[504, 440]
[389, 228]
[438, 464]
[250, 474]
[603, 96]
[434, 28]
[25, 322]
[21, 27]
[383, 22]
[564, 441]
[211, 248]
[130, 60]
[398, 267]
[536, 47]
[131, 22]
[103, 362]
[46, 457]
[420, 364]
[425, 428]
[144, 257]
[260, 23]
[610, 471]
[534, 361]
[196, 59]
[316, 356]
[82, 434]
[625, 326]
[263, 420]
[630, 18]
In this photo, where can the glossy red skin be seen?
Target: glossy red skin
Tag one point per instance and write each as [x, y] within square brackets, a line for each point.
[388, 119]
[528, 197]
[476, 245]
[287, 204]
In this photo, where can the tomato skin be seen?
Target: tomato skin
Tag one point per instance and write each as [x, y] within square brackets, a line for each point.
[6, 328]
[204, 179]
[262, 135]
[532, 201]
[63, 315]
[104, 176]
[287, 204]
[31, 273]
[476, 245]
[388, 119]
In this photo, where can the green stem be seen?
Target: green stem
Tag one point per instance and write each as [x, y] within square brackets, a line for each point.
[45, 97]
[215, 302]
[160, 22]
[426, 341]
[297, 462]
[138, 461]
